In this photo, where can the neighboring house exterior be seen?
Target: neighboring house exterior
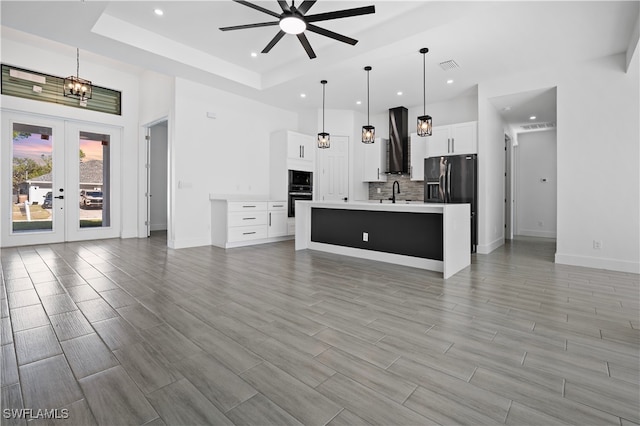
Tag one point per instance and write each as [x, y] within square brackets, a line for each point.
[91, 177]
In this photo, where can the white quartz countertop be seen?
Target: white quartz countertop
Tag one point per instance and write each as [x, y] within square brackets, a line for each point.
[375, 205]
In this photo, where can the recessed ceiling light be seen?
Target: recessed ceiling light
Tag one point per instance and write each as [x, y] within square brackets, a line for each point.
[399, 93]
[449, 81]
[358, 102]
[507, 108]
[254, 54]
[533, 117]
[158, 12]
[303, 95]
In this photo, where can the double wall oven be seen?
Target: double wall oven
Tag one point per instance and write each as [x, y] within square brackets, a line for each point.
[300, 188]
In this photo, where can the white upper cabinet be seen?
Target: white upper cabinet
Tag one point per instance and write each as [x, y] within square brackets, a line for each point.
[461, 138]
[375, 161]
[301, 150]
[418, 153]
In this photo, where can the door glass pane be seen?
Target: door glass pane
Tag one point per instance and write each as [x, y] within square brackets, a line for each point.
[32, 171]
[94, 184]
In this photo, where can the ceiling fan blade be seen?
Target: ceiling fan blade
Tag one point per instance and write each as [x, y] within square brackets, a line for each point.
[284, 6]
[306, 45]
[260, 8]
[331, 34]
[346, 13]
[243, 27]
[305, 6]
[273, 41]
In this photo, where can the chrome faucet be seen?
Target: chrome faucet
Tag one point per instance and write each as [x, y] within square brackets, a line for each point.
[393, 191]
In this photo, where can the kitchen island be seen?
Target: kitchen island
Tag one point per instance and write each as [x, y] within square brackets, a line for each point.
[421, 235]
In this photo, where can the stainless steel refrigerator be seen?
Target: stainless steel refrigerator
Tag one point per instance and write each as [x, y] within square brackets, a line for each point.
[453, 179]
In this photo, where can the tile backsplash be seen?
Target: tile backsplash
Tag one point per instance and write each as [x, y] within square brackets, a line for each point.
[409, 189]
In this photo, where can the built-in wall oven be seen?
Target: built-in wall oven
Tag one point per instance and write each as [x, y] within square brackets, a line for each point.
[300, 188]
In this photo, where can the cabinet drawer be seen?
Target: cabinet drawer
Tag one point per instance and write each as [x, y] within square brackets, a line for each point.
[244, 233]
[240, 206]
[249, 218]
[277, 205]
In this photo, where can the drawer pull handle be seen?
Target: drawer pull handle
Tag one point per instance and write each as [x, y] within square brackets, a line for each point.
[278, 205]
[248, 233]
[247, 207]
[248, 218]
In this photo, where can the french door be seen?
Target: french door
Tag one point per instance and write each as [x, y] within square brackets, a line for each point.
[59, 182]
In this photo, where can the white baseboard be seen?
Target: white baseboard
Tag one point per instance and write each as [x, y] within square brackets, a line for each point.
[599, 263]
[536, 233]
[488, 248]
[195, 242]
[158, 226]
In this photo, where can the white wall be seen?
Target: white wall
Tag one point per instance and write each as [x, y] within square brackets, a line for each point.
[490, 214]
[536, 166]
[48, 57]
[457, 110]
[598, 110]
[228, 154]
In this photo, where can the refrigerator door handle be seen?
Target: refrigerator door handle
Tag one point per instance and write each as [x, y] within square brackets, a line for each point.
[448, 183]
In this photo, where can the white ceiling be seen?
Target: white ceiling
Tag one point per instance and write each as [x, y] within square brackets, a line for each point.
[487, 40]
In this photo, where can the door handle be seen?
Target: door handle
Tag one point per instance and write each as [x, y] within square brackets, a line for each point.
[61, 197]
[269, 218]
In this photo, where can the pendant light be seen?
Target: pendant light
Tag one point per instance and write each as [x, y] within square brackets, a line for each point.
[323, 137]
[76, 87]
[424, 121]
[368, 131]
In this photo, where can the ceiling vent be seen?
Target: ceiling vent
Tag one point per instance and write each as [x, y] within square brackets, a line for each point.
[539, 126]
[449, 65]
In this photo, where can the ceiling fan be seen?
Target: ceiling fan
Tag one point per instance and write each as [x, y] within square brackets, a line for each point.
[293, 20]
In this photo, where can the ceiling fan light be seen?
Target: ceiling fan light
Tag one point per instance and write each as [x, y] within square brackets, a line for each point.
[292, 25]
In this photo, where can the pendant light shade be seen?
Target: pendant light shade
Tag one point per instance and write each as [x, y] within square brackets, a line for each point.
[368, 131]
[424, 121]
[324, 139]
[76, 87]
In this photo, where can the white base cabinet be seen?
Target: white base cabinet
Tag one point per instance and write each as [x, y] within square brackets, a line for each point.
[241, 223]
[277, 224]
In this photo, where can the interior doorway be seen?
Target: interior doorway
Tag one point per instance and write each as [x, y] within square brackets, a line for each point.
[508, 191]
[333, 170]
[157, 178]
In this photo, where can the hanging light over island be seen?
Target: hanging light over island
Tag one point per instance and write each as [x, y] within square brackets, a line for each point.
[324, 139]
[425, 123]
[368, 131]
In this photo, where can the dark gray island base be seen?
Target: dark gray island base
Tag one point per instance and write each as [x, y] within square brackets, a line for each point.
[409, 234]
[427, 236]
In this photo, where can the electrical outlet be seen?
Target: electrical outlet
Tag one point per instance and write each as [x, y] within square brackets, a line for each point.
[379, 190]
[597, 244]
[365, 236]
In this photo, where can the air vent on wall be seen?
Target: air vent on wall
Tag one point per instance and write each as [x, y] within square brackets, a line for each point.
[449, 65]
[538, 126]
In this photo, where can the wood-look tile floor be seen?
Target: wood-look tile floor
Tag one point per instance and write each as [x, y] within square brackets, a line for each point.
[128, 332]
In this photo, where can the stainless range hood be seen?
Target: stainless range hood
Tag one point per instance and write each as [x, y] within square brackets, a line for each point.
[398, 141]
